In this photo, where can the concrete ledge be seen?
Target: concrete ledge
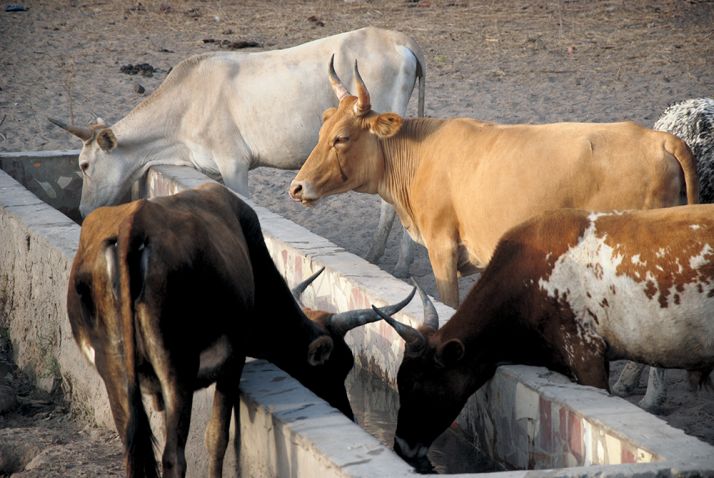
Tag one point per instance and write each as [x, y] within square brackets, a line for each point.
[526, 415]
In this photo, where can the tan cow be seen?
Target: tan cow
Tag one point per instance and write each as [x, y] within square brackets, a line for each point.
[459, 184]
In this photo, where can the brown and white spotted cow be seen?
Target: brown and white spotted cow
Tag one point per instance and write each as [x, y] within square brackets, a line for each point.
[569, 290]
[170, 295]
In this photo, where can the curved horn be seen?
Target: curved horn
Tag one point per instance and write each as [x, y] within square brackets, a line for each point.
[85, 134]
[363, 104]
[431, 317]
[345, 321]
[300, 288]
[415, 340]
[337, 86]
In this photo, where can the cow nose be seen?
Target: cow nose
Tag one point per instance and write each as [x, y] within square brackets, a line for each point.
[296, 190]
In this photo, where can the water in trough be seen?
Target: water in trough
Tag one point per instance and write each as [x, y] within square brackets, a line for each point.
[375, 405]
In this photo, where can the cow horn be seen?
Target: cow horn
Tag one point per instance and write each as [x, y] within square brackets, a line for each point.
[300, 288]
[431, 317]
[415, 340]
[363, 104]
[345, 321]
[85, 134]
[337, 86]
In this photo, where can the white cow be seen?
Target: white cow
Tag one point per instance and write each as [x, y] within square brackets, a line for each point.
[225, 113]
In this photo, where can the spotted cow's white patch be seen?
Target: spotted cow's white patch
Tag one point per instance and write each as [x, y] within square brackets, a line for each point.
[628, 311]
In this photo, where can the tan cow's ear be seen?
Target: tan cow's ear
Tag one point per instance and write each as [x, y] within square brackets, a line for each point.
[386, 125]
[450, 353]
[106, 139]
[327, 113]
[319, 350]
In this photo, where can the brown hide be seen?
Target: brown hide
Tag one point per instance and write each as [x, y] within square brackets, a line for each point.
[570, 290]
[157, 286]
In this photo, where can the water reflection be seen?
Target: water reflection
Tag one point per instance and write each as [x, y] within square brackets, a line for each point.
[375, 406]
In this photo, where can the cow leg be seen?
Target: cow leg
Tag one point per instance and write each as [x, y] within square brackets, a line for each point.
[629, 379]
[225, 400]
[379, 242]
[442, 256]
[235, 175]
[656, 394]
[178, 400]
[586, 359]
[406, 255]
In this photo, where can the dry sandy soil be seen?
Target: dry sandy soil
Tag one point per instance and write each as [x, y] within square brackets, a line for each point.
[506, 61]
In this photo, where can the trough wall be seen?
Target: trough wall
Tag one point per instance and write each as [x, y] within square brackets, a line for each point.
[525, 416]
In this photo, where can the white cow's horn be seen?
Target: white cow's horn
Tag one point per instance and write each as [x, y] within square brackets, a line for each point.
[363, 104]
[337, 86]
[345, 321]
[85, 134]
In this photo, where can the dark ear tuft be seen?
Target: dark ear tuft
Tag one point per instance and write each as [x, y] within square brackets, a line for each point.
[450, 352]
[106, 139]
[319, 350]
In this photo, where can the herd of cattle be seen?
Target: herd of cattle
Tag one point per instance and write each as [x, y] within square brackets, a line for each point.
[594, 259]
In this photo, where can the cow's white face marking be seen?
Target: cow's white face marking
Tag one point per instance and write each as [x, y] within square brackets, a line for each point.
[88, 351]
[632, 311]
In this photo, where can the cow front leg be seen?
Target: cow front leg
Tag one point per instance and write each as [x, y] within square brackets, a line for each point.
[442, 255]
[225, 399]
[235, 175]
[584, 355]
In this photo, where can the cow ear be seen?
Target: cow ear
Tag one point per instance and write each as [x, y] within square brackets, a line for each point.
[386, 125]
[106, 139]
[319, 350]
[327, 113]
[450, 353]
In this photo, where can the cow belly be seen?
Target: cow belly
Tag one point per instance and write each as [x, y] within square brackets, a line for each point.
[213, 358]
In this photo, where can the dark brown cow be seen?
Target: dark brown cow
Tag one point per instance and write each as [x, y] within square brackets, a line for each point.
[569, 290]
[170, 295]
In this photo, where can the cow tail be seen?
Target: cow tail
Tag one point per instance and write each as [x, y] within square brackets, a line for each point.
[138, 438]
[421, 76]
[687, 162]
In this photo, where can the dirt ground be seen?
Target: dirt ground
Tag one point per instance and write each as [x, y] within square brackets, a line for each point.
[505, 61]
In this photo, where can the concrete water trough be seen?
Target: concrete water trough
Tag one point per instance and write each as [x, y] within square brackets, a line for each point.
[527, 419]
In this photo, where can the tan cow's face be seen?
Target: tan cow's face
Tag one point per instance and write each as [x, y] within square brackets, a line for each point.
[348, 155]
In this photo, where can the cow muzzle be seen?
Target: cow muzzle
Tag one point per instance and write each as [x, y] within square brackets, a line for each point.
[300, 191]
[416, 456]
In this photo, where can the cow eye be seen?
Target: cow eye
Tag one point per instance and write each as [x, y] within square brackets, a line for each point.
[341, 139]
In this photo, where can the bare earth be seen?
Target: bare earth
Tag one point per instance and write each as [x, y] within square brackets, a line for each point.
[505, 61]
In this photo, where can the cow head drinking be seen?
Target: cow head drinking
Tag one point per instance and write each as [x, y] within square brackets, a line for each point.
[434, 382]
[348, 155]
[107, 173]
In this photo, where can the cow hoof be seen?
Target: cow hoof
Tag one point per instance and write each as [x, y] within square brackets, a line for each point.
[401, 271]
[655, 407]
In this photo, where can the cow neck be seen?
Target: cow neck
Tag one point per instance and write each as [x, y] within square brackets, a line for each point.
[401, 160]
[281, 333]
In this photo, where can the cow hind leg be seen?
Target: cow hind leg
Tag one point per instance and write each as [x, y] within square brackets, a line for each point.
[178, 401]
[406, 255]
[629, 379]
[379, 242]
[225, 400]
[656, 394]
